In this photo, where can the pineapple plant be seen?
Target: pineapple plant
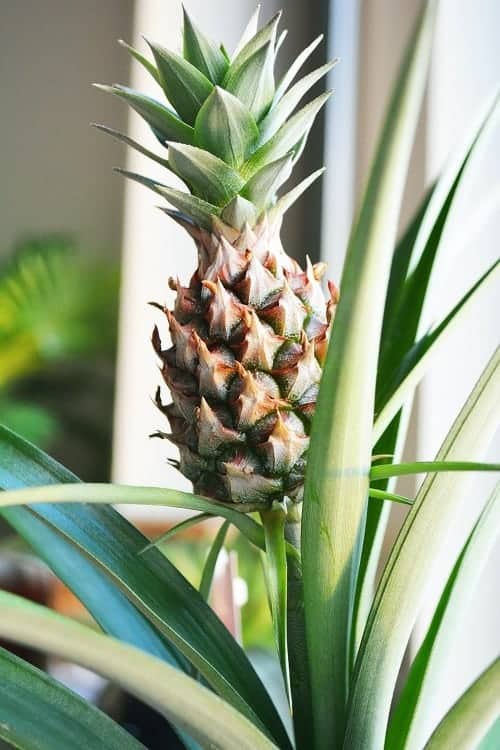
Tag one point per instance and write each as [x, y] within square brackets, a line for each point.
[250, 330]
[249, 341]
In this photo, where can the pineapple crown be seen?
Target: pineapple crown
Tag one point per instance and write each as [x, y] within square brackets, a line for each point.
[230, 132]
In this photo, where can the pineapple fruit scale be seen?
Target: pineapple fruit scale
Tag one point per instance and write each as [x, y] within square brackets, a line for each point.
[250, 331]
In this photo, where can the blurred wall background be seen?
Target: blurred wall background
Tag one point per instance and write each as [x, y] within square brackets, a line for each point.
[56, 169]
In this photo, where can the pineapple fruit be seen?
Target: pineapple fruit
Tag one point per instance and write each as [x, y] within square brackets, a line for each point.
[250, 330]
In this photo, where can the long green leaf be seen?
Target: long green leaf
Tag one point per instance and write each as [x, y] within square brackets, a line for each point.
[249, 32]
[22, 465]
[287, 138]
[472, 716]
[377, 519]
[491, 740]
[420, 467]
[179, 528]
[280, 112]
[111, 494]
[196, 208]
[155, 587]
[133, 144]
[440, 333]
[38, 712]
[147, 64]
[182, 700]
[420, 358]
[286, 201]
[386, 495]
[213, 555]
[260, 39]
[163, 121]
[400, 264]
[295, 67]
[410, 565]
[412, 722]
[276, 576]
[425, 230]
[340, 451]
[402, 319]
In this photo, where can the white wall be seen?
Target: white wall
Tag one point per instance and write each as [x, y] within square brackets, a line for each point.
[56, 170]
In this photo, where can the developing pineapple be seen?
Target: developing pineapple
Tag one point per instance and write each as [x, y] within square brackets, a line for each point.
[250, 331]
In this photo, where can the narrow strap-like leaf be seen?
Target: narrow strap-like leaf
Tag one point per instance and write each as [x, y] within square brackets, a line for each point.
[286, 201]
[185, 86]
[22, 465]
[341, 441]
[151, 583]
[295, 67]
[472, 716]
[199, 210]
[36, 711]
[417, 362]
[163, 121]
[385, 495]
[260, 39]
[202, 53]
[280, 112]
[147, 64]
[428, 467]
[130, 142]
[118, 494]
[418, 549]
[276, 575]
[409, 289]
[225, 127]
[287, 138]
[414, 717]
[182, 700]
[179, 528]
[250, 31]
[207, 575]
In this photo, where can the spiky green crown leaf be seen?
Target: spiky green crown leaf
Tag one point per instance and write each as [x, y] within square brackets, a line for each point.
[231, 134]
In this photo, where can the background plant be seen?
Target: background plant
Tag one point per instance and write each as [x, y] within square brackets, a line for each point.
[158, 627]
[58, 323]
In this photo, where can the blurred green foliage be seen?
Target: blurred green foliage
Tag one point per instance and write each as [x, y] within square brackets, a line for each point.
[58, 323]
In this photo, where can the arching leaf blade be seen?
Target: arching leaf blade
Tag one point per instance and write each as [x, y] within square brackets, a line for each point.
[473, 716]
[36, 711]
[182, 700]
[410, 565]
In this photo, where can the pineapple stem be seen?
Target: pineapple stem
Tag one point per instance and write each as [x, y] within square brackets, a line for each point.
[297, 648]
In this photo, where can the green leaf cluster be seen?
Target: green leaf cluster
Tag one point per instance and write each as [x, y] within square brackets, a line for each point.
[232, 135]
